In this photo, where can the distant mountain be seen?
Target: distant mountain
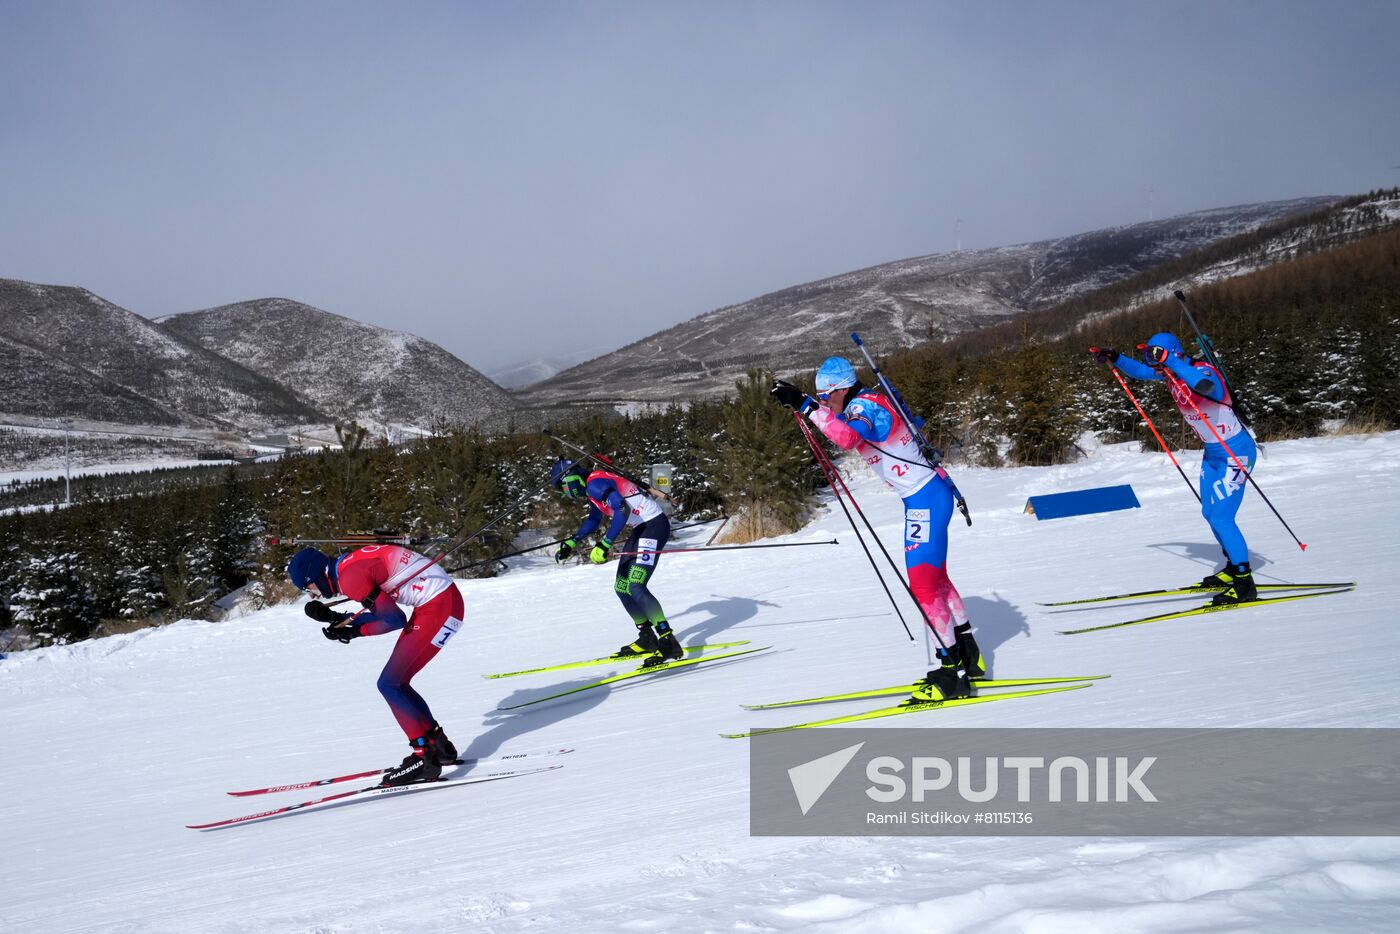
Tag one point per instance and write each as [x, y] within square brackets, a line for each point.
[345, 368]
[66, 353]
[896, 304]
[520, 375]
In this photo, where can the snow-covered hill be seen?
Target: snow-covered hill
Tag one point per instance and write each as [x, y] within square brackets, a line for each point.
[112, 746]
[67, 353]
[898, 304]
[346, 368]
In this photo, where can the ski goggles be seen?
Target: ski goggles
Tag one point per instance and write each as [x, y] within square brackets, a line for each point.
[1154, 354]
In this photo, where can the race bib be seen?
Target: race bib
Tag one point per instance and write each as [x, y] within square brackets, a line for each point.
[647, 545]
[448, 630]
[916, 526]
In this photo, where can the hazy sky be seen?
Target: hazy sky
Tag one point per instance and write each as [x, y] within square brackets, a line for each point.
[518, 179]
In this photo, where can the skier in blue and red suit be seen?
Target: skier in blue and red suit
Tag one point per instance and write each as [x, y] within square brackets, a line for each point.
[855, 417]
[1200, 392]
[380, 577]
[625, 506]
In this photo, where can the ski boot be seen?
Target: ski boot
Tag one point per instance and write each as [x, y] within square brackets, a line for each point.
[947, 681]
[421, 765]
[667, 648]
[969, 652]
[645, 645]
[446, 752]
[1241, 589]
[1218, 581]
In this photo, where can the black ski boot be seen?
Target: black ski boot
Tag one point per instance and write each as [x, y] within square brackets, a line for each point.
[1219, 580]
[1241, 589]
[446, 752]
[947, 681]
[645, 645]
[968, 650]
[667, 648]
[419, 766]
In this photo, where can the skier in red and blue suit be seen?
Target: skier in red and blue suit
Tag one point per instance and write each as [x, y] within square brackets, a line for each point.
[856, 418]
[380, 577]
[618, 499]
[1200, 392]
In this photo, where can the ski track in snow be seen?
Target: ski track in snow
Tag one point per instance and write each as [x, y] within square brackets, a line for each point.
[113, 745]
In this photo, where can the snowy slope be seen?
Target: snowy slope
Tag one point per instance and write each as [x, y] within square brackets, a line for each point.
[113, 745]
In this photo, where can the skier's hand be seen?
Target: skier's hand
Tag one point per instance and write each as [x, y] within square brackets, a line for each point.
[565, 550]
[599, 554]
[1104, 354]
[324, 614]
[342, 632]
[792, 397]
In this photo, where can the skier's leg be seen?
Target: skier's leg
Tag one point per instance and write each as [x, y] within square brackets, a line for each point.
[428, 630]
[926, 515]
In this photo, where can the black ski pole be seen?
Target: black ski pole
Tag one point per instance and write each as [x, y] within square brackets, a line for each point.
[526, 551]
[934, 456]
[642, 485]
[828, 470]
[679, 551]
[884, 551]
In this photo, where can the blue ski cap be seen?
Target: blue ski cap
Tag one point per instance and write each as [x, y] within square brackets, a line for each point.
[835, 373]
[308, 567]
[1157, 348]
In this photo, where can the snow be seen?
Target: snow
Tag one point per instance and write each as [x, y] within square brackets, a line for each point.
[113, 745]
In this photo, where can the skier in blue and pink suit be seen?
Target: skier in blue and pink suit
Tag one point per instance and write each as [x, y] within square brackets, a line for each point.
[380, 577]
[1200, 392]
[861, 419]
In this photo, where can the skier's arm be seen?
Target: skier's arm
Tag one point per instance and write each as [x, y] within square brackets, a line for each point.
[840, 434]
[613, 497]
[1198, 379]
[868, 419]
[1130, 367]
[385, 617]
[590, 523]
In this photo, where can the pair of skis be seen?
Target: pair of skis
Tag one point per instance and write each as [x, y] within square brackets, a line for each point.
[694, 658]
[1312, 590]
[1038, 686]
[530, 766]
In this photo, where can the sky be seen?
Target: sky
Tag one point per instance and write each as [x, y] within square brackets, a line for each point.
[534, 179]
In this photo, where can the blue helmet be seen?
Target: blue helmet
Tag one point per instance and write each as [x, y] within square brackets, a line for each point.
[310, 566]
[1157, 348]
[568, 476]
[835, 373]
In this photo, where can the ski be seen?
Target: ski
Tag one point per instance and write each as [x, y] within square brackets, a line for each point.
[1202, 610]
[655, 669]
[1193, 589]
[907, 688]
[374, 773]
[371, 792]
[908, 707]
[608, 659]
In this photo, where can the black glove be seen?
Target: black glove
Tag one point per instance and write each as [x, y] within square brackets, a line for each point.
[565, 550]
[342, 633]
[931, 454]
[324, 614]
[792, 397]
[1104, 354]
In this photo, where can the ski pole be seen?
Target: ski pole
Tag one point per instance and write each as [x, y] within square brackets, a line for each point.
[1158, 435]
[1181, 390]
[833, 478]
[925, 447]
[1208, 348]
[678, 551]
[526, 551]
[642, 485]
[884, 551]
